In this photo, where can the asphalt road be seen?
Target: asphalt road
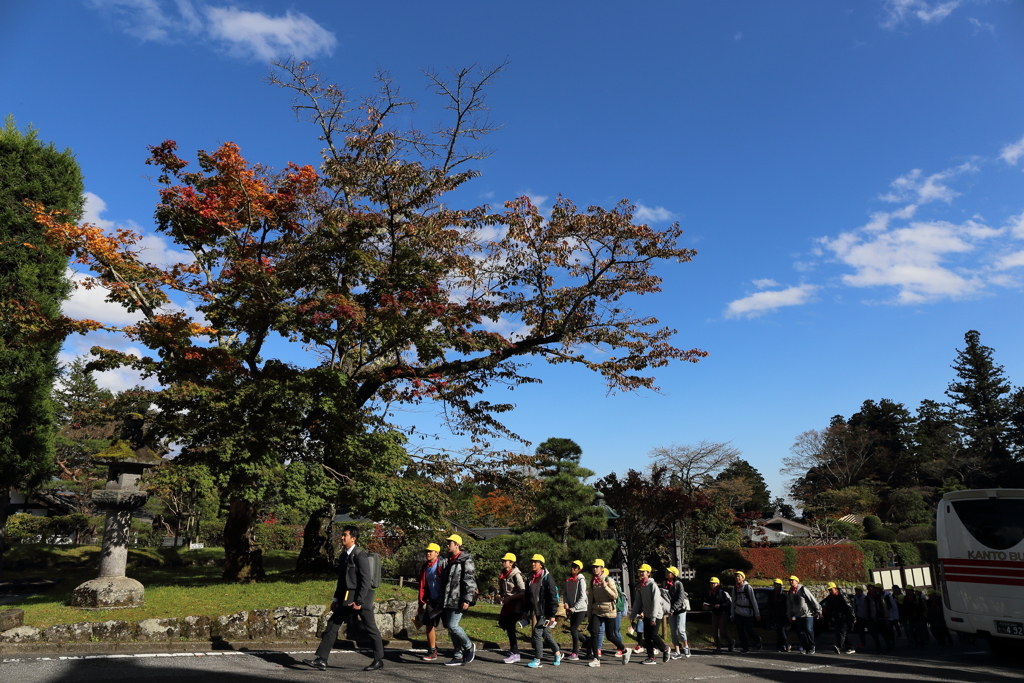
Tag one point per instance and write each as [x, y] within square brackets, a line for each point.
[967, 663]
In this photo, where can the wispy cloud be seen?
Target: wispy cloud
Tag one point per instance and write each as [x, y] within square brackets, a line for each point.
[896, 12]
[647, 214]
[1012, 153]
[771, 300]
[920, 189]
[240, 33]
[981, 26]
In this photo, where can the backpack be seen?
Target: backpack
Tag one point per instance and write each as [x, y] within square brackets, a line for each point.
[374, 570]
[620, 602]
[666, 600]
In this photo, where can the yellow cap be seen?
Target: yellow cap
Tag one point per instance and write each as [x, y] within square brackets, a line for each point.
[673, 570]
[577, 563]
[456, 538]
[510, 557]
[537, 558]
[597, 563]
[644, 568]
[793, 578]
[714, 579]
[433, 546]
[778, 581]
[741, 575]
[831, 584]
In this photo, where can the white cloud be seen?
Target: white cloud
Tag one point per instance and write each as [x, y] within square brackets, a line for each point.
[765, 283]
[92, 304]
[94, 206]
[980, 26]
[897, 12]
[1014, 260]
[912, 258]
[241, 33]
[1012, 153]
[658, 214]
[1016, 226]
[266, 37]
[763, 302]
[919, 190]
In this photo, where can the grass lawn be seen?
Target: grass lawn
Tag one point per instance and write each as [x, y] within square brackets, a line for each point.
[172, 590]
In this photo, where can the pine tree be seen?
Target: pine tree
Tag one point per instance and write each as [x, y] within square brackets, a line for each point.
[32, 279]
[566, 502]
[979, 406]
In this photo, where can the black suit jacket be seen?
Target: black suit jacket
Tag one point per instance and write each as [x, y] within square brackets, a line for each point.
[353, 578]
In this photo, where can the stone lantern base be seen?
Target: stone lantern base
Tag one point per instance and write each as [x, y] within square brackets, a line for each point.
[110, 592]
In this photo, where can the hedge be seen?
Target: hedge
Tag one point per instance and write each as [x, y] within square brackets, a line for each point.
[811, 563]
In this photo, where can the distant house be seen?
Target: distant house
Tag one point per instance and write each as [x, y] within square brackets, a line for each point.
[44, 503]
[775, 530]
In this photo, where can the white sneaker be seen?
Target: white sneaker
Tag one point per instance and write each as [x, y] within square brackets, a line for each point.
[594, 662]
[626, 654]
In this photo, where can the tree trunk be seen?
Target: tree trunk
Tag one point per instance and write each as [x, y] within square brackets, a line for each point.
[317, 554]
[243, 559]
[5, 502]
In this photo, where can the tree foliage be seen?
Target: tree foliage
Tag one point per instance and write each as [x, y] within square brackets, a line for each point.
[567, 507]
[694, 466]
[394, 295]
[32, 286]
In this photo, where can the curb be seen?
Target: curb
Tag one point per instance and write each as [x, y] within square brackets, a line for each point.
[130, 648]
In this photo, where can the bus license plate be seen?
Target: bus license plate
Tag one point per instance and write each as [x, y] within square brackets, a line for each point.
[1013, 628]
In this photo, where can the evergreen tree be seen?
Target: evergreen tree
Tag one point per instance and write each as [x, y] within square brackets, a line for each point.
[566, 501]
[760, 499]
[32, 285]
[980, 408]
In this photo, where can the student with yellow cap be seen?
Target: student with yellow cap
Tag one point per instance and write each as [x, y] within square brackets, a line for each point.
[458, 585]
[678, 604]
[719, 603]
[777, 619]
[511, 591]
[575, 604]
[647, 606]
[802, 609]
[745, 612]
[542, 601]
[602, 598]
[429, 613]
[839, 611]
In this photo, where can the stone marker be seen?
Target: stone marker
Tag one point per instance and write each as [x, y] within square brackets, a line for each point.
[128, 458]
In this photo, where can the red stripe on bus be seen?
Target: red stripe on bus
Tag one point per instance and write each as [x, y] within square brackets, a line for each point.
[998, 580]
[980, 563]
[995, 571]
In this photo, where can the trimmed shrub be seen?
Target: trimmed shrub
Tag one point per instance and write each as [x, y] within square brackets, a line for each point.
[929, 551]
[875, 554]
[716, 562]
[279, 537]
[872, 523]
[912, 534]
[843, 562]
[907, 553]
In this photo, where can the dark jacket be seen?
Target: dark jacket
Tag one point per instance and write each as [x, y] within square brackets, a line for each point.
[745, 601]
[777, 607]
[546, 605]
[676, 596]
[720, 601]
[354, 578]
[838, 608]
[458, 583]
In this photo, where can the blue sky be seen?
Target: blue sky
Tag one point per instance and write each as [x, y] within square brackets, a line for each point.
[849, 172]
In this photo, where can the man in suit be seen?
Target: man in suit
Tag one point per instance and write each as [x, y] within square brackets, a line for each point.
[353, 598]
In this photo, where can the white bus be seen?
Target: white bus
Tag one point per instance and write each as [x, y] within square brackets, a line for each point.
[981, 563]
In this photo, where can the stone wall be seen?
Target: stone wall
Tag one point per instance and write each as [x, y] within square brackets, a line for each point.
[394, 619]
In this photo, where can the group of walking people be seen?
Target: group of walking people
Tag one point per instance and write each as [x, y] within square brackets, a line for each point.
[447, 589]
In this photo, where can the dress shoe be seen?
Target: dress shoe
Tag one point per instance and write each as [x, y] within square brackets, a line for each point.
[374, 665]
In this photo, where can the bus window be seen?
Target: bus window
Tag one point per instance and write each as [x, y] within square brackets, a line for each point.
[996, 523]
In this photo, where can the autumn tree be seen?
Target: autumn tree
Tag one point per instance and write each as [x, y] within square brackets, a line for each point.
[748, 492]
[32, 287]
[390, 295]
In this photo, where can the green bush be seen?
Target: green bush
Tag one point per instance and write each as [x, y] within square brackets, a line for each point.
[929, 551]
[884, 535]
[876, 554]
[211, 533]
[717, 561]
[789, 557]
[854, 532]
[279, 537]
[907, 553]
[872, 523]
[912, 534]
[25, 528]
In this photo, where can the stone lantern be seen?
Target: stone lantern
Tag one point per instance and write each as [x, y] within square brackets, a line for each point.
[126, 460]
